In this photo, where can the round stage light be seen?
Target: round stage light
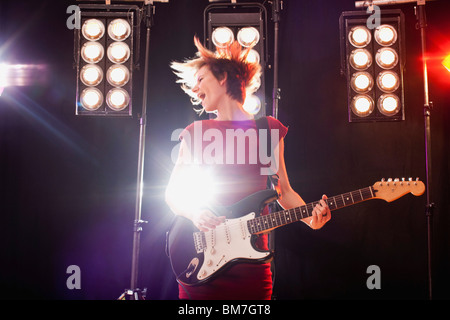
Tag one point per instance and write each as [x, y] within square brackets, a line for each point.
[360, 59]
[118, 52]
[222, 37]
[91, 99]
[92, 52]
[119, 29]
[385, 35]
[91, 75]
[388, 81]
[248, 36]
[118, 75]
[117, 99]
[359, 36]
[389, 104]
[362, 105]
[93, 29]
[362, 82]
[252, 104]
[253, 56]
[387, 58]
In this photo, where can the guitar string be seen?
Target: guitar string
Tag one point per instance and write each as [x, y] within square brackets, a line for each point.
[277, 217]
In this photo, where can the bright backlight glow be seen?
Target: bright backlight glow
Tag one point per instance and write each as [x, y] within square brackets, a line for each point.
[193, 187]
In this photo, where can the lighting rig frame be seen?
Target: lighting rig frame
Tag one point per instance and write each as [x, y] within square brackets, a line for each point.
[241, 15]
[106, 13]
[374, 94]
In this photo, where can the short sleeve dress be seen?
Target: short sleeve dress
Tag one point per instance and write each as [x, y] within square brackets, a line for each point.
[227, 149]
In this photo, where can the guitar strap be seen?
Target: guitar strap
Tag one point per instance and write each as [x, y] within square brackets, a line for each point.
[272, 183]
[263, 124]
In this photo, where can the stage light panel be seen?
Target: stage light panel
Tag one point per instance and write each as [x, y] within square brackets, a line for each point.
[372, 60]
[247, 24]
[104, 58]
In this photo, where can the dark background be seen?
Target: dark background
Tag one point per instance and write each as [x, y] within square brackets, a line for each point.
[68, 183]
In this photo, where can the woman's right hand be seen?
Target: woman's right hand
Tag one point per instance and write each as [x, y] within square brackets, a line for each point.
[205, 220]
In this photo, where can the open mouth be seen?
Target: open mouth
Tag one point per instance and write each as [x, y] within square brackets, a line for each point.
[201, 96]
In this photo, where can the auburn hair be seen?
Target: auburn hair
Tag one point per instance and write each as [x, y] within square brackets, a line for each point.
[243, 77]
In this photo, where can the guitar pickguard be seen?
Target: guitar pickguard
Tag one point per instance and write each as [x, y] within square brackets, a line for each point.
[228, 242]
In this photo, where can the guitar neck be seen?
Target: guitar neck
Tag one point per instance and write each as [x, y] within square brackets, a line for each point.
[280, 218]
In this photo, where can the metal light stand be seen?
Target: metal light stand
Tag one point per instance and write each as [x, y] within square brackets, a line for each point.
[421, 24]
[134, 293]
[276, 9]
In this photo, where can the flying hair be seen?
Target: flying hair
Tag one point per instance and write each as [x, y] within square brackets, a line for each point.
[243, 77]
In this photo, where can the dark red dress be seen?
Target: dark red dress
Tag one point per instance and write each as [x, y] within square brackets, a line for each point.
[237, 172]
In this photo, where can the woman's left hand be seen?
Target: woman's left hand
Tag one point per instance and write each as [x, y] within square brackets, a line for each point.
[321, 214]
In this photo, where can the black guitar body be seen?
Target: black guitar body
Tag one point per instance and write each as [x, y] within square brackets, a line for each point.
[185, 258]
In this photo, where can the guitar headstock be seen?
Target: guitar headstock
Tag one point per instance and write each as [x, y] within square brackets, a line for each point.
[392, 189]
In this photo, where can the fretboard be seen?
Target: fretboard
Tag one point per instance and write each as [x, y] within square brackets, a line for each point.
[284, 217]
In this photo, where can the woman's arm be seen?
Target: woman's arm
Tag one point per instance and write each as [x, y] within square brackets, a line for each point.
[290, 199]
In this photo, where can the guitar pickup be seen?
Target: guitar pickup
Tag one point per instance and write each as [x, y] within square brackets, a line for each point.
[199, 242]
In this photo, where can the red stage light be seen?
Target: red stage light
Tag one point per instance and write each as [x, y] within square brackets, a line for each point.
[446, 62]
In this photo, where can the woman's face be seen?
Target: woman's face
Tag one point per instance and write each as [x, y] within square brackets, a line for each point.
[208, 89]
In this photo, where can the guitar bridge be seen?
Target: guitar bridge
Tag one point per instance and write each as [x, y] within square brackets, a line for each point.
[199, 242]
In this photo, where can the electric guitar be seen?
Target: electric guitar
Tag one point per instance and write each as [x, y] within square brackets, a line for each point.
[197, 257]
